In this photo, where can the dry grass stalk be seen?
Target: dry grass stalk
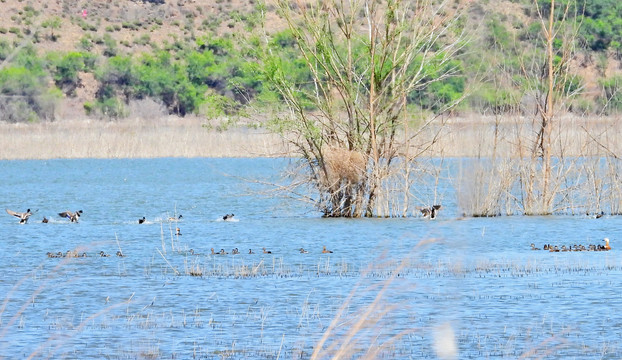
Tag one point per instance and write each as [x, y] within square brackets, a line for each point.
[369, 321]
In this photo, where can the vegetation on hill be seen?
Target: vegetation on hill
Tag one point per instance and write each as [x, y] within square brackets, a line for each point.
[202, 59]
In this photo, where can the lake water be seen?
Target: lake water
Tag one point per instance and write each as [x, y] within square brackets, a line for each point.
[422, 287]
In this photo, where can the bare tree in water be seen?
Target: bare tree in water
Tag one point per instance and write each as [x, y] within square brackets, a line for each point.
[349, 123]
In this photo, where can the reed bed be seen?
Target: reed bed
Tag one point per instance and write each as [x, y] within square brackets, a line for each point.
[168, 137]
[470, 136]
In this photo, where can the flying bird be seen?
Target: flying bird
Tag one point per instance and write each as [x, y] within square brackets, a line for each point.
[430, 211]
[23, 217]
[73, 217]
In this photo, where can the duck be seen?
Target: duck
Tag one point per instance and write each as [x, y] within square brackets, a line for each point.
[250, 252]
[430, 212]
[235, 251]
[119, 253]
[71, 254]
[140, 221]
[175, 218]
[266, 251]
[45, 220]
[72, 216]
[103, 254]
[324, 251]
[23, 217]
[213, 253]
[606, 247]
[228, 217]
[178, 231]
[303, 251]
[533, 247]
[223, 252]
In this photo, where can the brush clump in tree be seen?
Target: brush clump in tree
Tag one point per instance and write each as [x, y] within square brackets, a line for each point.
[346, 115]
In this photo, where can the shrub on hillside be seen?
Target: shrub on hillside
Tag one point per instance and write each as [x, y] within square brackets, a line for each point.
[24, 95]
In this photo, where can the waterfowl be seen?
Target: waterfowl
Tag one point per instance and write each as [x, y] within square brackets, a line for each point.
[45, 220]
[71, 254]
[175, 218]
[223, 252]
[430, 211]
[606, 247]
[324, 251]
[140, 221]
[546, 247]
[120, 254]
[23, 217]
[250, 251]
[228, 217]
[178, 231]
[73, 217]
[235, 251]
[103, 254]
[303, 251]
[213, 253]
[266, 251]
[533, 247]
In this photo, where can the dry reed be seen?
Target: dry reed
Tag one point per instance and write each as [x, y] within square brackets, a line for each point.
[168, 137]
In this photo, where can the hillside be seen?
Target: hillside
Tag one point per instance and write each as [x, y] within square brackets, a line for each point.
[75, 42]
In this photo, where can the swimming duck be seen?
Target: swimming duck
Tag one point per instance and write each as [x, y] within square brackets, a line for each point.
[533, 247]
[103, 254]
[235, 251]
[45, 220]
[71, 254]
[606, 247]
[73, 217]
[223, 252]
[140, 221]
[120, 254]
[250, 251]
[23, 217]
[266, 251]
[175, 218]
[303, 251]
[228, 217]
[324, 251]
[178, 231]
[213, 253]
[430, 211]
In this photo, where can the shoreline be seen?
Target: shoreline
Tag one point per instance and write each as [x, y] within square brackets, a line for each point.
[471, 136]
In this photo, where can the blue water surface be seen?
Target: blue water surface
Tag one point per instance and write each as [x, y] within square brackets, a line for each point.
[422, 286]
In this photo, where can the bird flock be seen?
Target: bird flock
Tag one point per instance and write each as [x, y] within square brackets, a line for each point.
[575, 247]
[75, 216]
[23, 217]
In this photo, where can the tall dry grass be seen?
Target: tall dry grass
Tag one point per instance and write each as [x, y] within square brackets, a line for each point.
[166, 137]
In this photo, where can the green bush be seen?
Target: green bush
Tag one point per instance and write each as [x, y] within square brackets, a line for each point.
[24, 95]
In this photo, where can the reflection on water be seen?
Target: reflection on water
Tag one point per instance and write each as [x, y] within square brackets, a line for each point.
[413, 278]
